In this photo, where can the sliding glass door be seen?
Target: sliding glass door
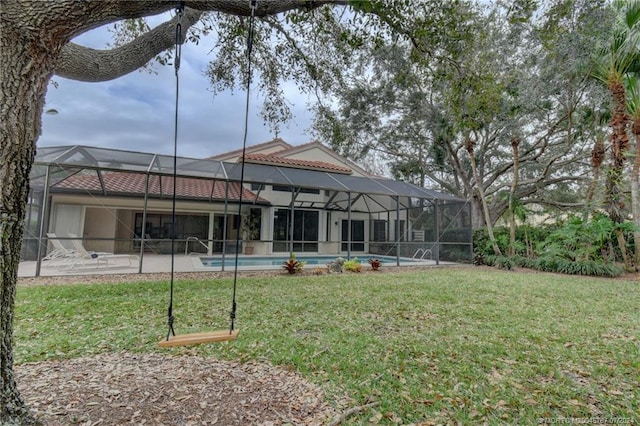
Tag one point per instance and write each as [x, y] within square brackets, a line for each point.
[305, 230]
[357, 235]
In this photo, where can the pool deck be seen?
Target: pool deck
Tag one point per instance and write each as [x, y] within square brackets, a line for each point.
[152, 263]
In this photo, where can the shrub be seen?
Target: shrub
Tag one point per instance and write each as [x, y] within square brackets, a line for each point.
[524, 262]
[579, 267]
[593, 240]
[353, 265]
[572, 246]
[375, 263]
[527, 238]
[293, 265]
[504, 262]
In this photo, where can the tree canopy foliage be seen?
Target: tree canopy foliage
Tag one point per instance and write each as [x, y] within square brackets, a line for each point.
[502, 71]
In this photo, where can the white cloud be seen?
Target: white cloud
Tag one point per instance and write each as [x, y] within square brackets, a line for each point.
[136, 112]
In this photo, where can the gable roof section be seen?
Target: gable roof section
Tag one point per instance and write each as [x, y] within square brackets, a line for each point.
[296, 163]
[279, 152]
[269, 147]
[315, 144]
[159, 186]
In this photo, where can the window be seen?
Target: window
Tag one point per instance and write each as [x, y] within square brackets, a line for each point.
[305, 230]
[357, 235]
[159, 226]
[298, 189]
[398, 229]
[379, 230]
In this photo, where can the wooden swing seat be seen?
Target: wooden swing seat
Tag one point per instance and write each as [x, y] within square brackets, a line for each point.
[199, 338]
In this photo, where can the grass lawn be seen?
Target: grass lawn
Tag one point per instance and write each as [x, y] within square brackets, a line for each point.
[462, 345]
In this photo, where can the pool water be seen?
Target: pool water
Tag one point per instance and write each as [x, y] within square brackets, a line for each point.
[213, 262]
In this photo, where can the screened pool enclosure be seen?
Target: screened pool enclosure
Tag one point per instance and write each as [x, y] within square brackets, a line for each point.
[121, 202]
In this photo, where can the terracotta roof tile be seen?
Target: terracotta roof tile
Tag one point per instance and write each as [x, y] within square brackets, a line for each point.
[238, 152]
[315, 143]
[296, 162]
[133, 183]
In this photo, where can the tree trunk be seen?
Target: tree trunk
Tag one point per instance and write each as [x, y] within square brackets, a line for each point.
[619, 145]
[512, 194]
[622, 243]
[26, 67]
[477, 217]
[485, 208]
[635, 192]
[597, 158]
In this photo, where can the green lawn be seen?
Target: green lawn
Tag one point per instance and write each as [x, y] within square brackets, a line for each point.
[442, 344]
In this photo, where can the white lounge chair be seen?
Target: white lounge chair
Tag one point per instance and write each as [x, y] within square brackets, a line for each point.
[84, 258]
[60, 253]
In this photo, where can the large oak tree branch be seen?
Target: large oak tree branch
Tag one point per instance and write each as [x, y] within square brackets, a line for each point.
[66, 19]
[263, 8]
[85, 64]
[93, 14]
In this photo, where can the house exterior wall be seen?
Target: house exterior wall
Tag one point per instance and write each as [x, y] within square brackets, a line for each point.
[125, 219]
[100, 223]
[93, 217]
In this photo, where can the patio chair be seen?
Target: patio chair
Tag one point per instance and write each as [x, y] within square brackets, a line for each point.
[88, 258]
[59, 252]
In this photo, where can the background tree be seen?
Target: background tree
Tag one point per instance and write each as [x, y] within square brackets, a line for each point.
[502, 71]
[633, 90]
[598, 153]
[513, 202]
[618, 57]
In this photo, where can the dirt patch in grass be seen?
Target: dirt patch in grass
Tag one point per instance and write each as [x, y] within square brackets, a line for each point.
[154, 389]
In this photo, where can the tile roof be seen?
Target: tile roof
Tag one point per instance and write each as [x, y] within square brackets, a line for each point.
[296, 162]
[275, 142]
[278, 157]
[295, 148]
[134, 183]
[319, 145]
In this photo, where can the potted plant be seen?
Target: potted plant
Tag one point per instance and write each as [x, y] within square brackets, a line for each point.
[250, 229]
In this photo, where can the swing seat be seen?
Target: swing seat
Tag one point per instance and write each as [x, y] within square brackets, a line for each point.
[199, 338]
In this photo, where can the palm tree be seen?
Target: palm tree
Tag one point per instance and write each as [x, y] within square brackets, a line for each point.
[633, 104]
[615, 61]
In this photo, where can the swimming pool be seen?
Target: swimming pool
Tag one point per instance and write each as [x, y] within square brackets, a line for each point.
[273, 261]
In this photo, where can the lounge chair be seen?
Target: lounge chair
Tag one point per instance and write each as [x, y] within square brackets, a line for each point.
[60, 253]
[84, 258]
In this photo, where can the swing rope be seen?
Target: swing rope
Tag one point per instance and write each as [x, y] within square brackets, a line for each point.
[176, 66]
[232, 314]
[216, 336]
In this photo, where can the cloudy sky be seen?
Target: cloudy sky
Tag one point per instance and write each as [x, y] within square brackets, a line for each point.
[136, 111]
